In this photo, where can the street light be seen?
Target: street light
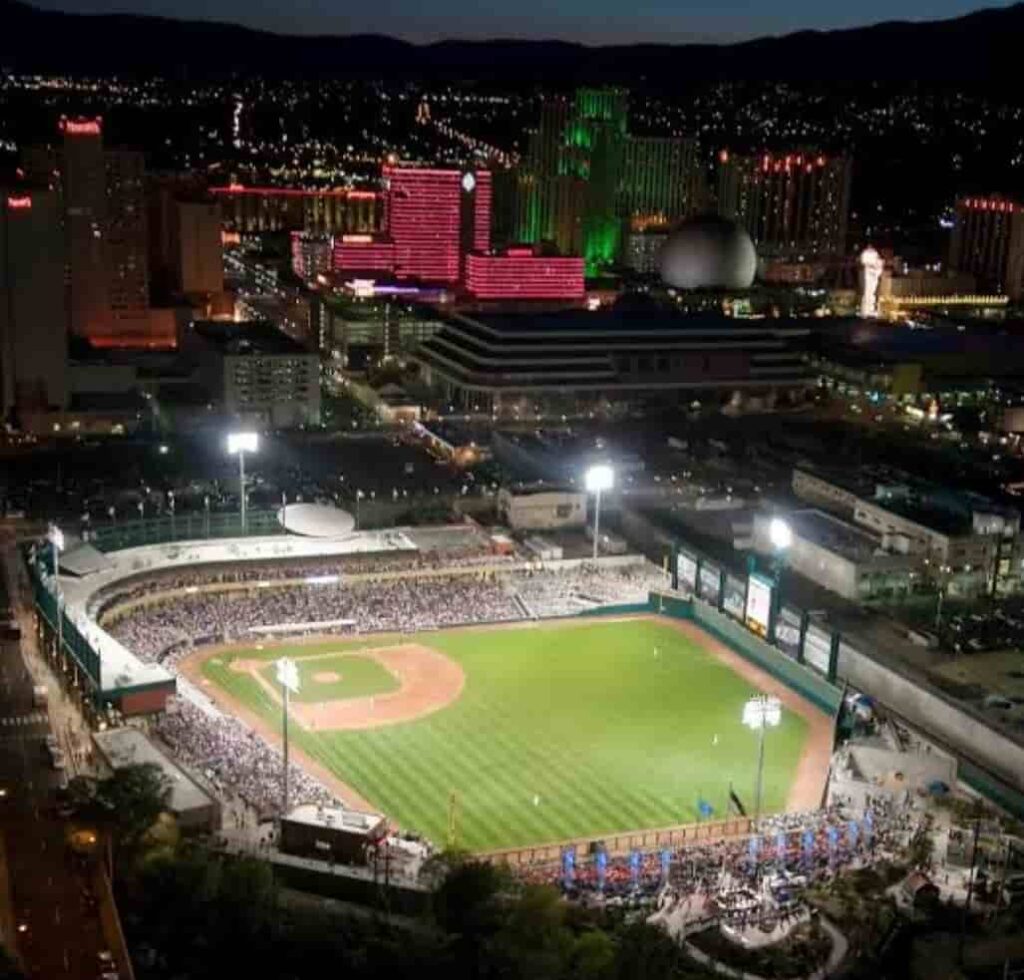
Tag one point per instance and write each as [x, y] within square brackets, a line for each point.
[56, 538]
[242, 443]
[288, 678]
[761, 712]
[598, 478]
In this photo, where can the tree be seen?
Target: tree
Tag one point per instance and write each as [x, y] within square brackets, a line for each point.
[129, 802]
[466, 903]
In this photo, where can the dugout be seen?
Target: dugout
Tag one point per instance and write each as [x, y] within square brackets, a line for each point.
[331, 833]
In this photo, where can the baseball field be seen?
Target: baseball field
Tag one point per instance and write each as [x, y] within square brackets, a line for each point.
[542, 732]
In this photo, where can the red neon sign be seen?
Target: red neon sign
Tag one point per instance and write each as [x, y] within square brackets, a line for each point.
[81, 127]
[19, 203]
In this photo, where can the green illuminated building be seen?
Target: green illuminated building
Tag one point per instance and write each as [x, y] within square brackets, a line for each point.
[586, 180]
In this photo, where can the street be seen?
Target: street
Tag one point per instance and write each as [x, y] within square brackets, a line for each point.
[58, 929]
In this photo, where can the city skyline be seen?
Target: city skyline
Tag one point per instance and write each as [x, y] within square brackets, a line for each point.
[598, 23]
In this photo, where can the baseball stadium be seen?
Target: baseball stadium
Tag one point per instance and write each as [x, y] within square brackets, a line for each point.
[465, 691]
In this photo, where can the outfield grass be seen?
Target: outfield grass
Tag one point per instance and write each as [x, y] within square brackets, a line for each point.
[357, 677]
[586, 717]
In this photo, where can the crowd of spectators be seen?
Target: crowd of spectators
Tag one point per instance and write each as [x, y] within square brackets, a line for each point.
[546, 593]
[236, 759]
[401, 604]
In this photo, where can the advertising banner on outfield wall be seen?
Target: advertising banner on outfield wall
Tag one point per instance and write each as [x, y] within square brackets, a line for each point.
[709, 587]
[687, 566]
[818, 648]
[734, 601]
[787, 631]
[759, 604]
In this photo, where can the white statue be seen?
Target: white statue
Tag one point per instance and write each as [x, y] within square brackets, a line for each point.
[871, 265]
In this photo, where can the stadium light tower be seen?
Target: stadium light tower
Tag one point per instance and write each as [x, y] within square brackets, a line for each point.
[780, 534]
[241, 443]
[759, 713]
[56, 539]
[597, 479]
[288, 678]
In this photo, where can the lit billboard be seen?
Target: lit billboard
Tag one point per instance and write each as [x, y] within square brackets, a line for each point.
[787, 631]
[734, 600]
[759, 604]
[709, 587]
[818, 648]
[686, 566]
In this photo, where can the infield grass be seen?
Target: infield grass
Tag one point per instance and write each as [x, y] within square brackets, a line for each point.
[356, 677]
[563, 730]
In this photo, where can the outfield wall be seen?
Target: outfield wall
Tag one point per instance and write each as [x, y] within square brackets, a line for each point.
[707, 831]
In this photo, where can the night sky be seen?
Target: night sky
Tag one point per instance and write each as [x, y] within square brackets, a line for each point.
[587, 21]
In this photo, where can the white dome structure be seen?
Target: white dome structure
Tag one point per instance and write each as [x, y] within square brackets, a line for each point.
[708, 252]
[316, 520]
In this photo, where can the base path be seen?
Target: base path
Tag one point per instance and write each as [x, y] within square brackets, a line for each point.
[808, 785]
[428, 682]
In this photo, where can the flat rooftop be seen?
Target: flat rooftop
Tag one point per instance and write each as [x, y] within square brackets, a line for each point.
[352, 821]
[252, 337]
[848, 540]
[123, 747]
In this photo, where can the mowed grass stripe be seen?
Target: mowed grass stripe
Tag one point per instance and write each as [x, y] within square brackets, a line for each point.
[615, 725]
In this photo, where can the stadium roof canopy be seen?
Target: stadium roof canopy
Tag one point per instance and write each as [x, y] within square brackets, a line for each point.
[316, 520]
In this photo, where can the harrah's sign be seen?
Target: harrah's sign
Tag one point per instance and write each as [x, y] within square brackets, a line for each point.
[80, 127]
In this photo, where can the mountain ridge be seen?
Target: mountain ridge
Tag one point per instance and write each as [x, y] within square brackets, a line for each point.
[977, 47]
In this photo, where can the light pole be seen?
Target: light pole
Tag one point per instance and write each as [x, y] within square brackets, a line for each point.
[206, 507]
[759, 713]
[359, 496]
[598, 478]
[288, 678]
[242, 443]
[56, 536]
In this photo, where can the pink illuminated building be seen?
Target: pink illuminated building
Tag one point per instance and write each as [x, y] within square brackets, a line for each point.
[433, 217]
[520, 273]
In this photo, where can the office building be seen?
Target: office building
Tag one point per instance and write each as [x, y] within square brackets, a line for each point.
[795, 204]
[126, 240]
[364, 255]
[643, 248]
[659, 183]
[842, 557]
[575, 361]
[988, 242]
[33, 321]
[964, 541]
[103, 212]
[523, 273]
[257, 374]
[311, 254]
[585, 179]
[197, 250]
[325, 211]
[355, 332]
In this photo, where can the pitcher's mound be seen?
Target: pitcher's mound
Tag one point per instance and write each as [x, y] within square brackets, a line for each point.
[326, 677]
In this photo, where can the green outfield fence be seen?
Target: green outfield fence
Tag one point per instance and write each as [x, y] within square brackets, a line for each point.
[118, 535]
